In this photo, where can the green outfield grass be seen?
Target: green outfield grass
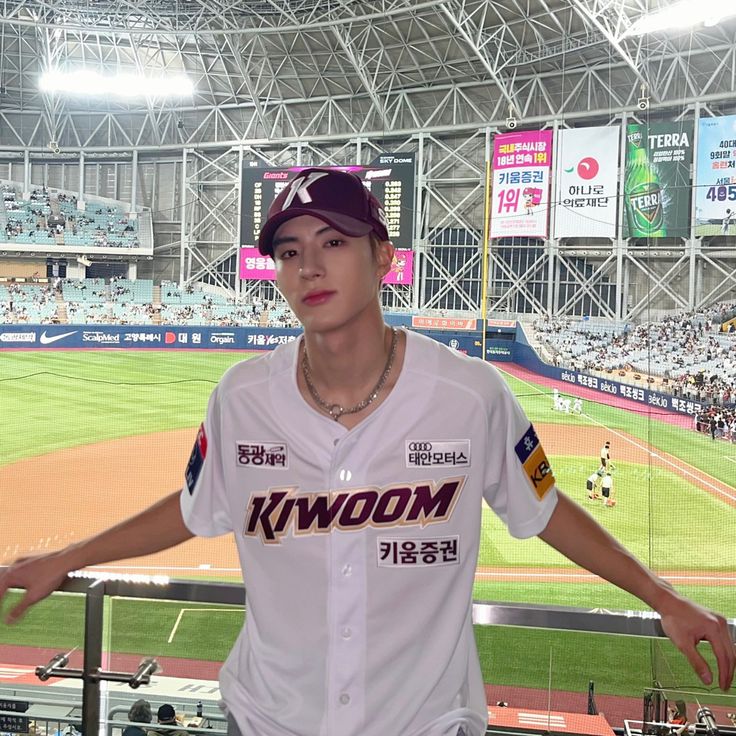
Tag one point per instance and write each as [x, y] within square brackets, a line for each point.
[641, 520]
[54, 400]
[681, 441]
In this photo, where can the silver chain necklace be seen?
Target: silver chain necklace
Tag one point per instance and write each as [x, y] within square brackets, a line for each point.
[335, 410]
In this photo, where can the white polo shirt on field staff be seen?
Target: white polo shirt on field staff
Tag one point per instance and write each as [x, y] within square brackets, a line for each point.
[359, 546]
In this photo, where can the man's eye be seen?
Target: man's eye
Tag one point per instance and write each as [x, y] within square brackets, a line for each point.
[286, 254]
[336, 242]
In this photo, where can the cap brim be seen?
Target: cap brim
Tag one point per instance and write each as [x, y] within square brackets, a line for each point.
[342, 223]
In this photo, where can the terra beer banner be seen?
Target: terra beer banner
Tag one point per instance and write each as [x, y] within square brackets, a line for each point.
[520, 197]
[657, 183]
[715, 196]
[587, 181]
[257, 267]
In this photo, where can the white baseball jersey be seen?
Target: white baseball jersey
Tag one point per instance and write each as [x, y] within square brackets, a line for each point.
[359, 546]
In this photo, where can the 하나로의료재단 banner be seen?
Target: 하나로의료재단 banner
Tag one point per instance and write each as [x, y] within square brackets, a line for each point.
[587, 179]
[520, 194]
[657, 180]
[715, 193]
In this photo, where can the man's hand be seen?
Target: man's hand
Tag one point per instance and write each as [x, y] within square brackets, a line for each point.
[572, 531]
[40, 576]
[686, 624]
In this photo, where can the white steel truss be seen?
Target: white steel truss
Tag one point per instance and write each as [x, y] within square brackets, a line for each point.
[335, 81]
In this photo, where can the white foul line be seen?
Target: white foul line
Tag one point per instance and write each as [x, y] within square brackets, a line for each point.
[645, 449]
[197, 610]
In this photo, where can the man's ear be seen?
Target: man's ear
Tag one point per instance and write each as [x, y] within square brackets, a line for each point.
[384, 256]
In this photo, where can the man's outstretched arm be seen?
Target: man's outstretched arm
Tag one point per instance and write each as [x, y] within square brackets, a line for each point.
[157, 528]
[578, 536]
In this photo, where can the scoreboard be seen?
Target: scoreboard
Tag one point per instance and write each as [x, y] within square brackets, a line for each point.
[390, 177]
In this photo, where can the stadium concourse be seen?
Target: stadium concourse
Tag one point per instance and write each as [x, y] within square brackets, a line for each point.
[557, 179]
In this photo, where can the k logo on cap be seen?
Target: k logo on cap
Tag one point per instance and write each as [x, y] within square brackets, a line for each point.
[299, 187]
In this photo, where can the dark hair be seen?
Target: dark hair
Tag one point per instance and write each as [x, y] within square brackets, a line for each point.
[140, 712]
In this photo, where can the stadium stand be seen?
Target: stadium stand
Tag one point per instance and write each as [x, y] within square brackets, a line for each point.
[49, 218]
[27, 303]
[687, 355]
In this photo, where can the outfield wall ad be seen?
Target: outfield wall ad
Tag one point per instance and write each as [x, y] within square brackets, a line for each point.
[185, 337]
[525, 356]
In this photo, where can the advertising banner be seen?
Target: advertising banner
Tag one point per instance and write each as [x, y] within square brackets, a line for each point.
[715, 195]
[255, 266]
[148, 337]
[521, 172]
[444, 323]
[657, 185]
[587, 182]
[190, 337]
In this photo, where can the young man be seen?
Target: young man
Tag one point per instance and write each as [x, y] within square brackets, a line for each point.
[609, 497]
[358, 527]
[592, 485]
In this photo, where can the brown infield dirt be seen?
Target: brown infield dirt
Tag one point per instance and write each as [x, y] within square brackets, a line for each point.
[67, 495]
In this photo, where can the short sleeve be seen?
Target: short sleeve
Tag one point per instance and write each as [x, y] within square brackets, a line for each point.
[204, 504]
[519, 482]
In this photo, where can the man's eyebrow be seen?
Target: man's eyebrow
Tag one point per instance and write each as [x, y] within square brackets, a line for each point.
[292, 239]
[280, 241]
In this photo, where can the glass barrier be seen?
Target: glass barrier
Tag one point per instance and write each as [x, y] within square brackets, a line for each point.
[589, 669]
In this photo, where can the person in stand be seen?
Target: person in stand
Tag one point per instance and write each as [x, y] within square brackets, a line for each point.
[140, 712]
[166, 716]
[677, 716]
[313, 457]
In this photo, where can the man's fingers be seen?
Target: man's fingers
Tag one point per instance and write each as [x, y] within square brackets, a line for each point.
[725, 654]
[698, 663]
[17, 612]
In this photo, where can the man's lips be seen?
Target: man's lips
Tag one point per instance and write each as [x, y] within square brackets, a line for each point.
[317, 297]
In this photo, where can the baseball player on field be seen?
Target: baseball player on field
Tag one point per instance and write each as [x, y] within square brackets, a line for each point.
[350, 467]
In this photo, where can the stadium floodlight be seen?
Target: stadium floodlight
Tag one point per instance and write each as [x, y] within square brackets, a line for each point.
[683, 14]
[120, 85]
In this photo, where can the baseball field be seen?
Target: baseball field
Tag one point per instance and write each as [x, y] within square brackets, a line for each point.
[91, 437]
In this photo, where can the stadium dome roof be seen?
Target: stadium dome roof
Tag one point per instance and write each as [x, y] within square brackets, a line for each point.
[302, 69]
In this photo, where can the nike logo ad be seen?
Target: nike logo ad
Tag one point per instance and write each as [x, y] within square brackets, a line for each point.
[46, 340]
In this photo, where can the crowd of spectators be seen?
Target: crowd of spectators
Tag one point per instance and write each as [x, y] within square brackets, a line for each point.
[124, 302]
[27, 304]
[56, 218]
[719, 422]
[687, 355]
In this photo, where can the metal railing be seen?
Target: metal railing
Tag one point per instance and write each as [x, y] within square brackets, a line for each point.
[633, 623]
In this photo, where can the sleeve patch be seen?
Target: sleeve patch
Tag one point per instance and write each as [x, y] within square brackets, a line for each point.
[196, 460]
[534, 461]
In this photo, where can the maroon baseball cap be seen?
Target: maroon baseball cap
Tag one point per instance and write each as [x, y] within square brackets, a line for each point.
[339, 198]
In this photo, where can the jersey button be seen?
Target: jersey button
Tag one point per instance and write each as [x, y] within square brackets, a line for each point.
[347, 570]
[344, 699]
[347, 632]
